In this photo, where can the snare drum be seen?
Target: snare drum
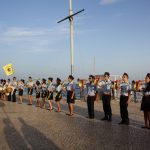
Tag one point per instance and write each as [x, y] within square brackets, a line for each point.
[1, 89]
[9, 90]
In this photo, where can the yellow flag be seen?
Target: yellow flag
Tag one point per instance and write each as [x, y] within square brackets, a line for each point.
[8, 69]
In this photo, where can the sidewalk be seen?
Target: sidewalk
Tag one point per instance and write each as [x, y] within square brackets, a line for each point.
[25, 127]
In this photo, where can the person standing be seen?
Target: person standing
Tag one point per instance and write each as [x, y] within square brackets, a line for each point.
[58, 96]
[70, 95]
[92, 93]
[145, 105]
[134, 91]
[30, 90]
[21, 89]
[50, 93]
[38, 90]
[9, 94]
[14, 85]
[125, 97]
[107, 86]
[1, 88]
[44, 93]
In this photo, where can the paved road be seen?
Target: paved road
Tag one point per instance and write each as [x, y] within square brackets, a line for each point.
[24, 127]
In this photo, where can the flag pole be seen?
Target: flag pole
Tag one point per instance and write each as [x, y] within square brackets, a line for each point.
[70, 18]
[71, 37]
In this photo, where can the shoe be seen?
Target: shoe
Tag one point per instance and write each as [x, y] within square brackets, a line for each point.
[144, 127]
[91, 118]
[126, 123]
[105, 118]
[109, 119]
[120, 123]
[71, 115]
[29, 104]
[67, 114]
[42, 107]
[57, 110]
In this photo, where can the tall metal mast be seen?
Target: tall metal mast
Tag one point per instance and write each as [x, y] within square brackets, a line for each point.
[70, 17]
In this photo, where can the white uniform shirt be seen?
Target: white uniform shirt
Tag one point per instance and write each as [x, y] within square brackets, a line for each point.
[106, 86]
[58, 88]
[21, 85]
[70, 86]
[44, 87]
[30, 84]
[125, 88]
[51, 87]
[14, 84]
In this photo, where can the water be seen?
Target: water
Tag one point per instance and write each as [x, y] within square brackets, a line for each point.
[84, 94]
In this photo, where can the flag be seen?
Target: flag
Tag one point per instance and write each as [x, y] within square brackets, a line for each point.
[8, 69]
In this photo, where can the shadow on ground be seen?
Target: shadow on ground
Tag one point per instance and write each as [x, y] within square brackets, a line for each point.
[31, 139]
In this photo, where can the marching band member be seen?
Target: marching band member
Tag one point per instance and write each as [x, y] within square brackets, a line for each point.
[1, 88]
[145, 105]
[30, 85]
[58, 96]
[134, 91]
[70, 95]
[125, 98]
[21, 87]
[38, 89]
[107, 86]
[4, 85]
[44, 93]
[9, 95]
[50, 93]
[14, 85]
[92, 95]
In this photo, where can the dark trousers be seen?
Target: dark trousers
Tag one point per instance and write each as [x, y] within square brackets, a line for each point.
[9, 97]
[123, 108]
[106, 99]
[90, 105]
[14, 95]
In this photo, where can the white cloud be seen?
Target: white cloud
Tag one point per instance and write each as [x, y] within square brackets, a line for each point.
[108, 2]
[33, 39]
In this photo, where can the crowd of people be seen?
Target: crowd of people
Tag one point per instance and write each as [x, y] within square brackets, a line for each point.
[46, 90]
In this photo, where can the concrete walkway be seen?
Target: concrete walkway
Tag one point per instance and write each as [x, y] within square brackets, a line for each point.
[24, 127]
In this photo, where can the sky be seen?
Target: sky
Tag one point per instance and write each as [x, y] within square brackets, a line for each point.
[115, 34]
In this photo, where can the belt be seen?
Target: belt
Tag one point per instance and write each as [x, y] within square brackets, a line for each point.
[125, 95]
[91, 95]
[147, 93]
[108, 94]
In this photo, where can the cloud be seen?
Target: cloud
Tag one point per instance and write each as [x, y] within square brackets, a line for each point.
[33, 39]
[108, 2]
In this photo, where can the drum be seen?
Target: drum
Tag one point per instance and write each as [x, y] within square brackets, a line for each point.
[1, 89]
[9, 90]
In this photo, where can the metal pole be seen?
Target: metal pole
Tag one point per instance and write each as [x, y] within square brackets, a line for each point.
[71, 37]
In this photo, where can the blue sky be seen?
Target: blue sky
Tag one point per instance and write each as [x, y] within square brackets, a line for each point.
[115, 32]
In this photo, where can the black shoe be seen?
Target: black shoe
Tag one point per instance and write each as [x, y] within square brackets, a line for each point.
[109, 119]
[105, 118]
[144, 127]
[126, 123]
[89, 117]
[120, 123]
